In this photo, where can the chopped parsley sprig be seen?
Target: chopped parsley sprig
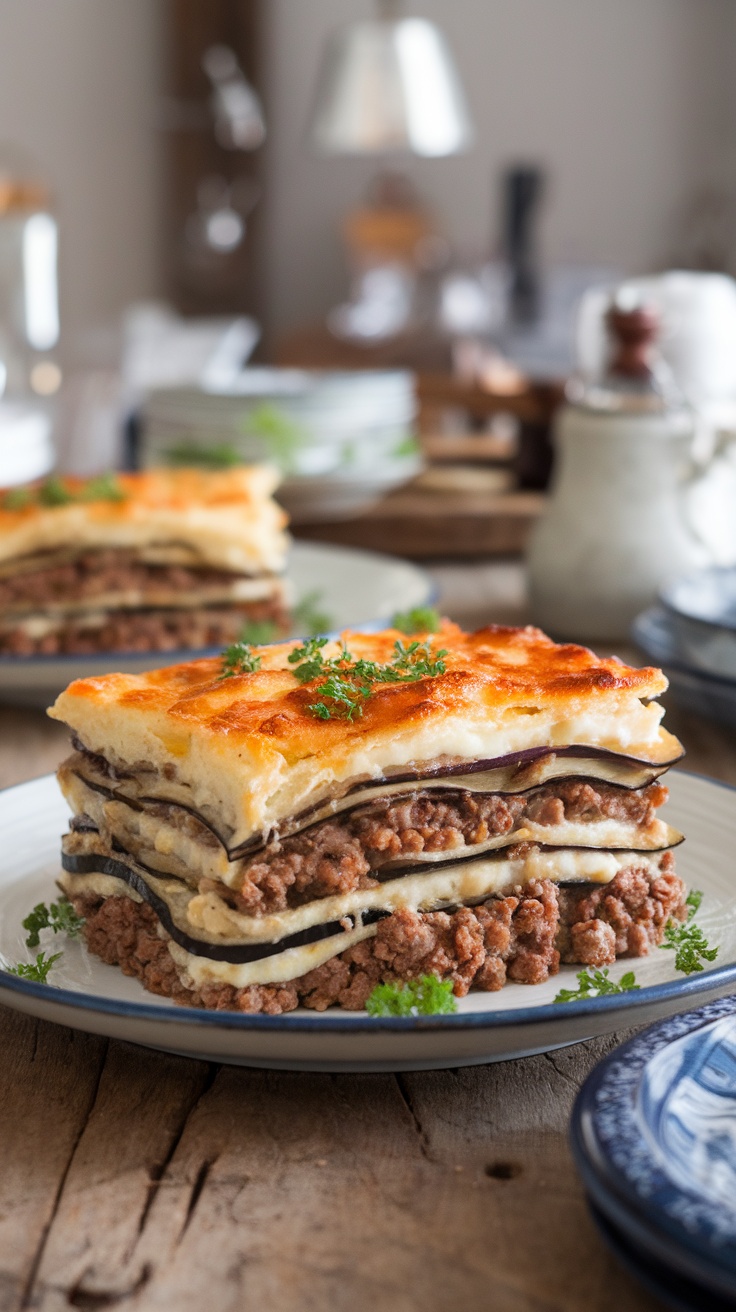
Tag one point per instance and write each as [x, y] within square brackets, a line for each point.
[687, 940]
[239, 659]
[59, 916]
[38, 970]
[428, 996]
[346, 683]
[596, 984]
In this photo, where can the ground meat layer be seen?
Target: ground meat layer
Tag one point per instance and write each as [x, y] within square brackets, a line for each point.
[346, 853]
[522, 937]
[97, 573]
[149, 630]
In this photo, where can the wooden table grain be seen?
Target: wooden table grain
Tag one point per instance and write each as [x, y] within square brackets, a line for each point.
[136, 1179]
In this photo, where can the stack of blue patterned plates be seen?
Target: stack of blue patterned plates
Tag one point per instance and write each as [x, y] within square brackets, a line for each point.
[692, 635]
[654, 1137]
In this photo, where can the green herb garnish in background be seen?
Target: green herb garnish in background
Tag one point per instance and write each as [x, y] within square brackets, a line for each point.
[256, 633]
[278, 432]
[596, 984]
[104, 488]
[406, 446]
[239, 659]
[37, 970]
[428, 996]
[59, 916]
[687, 940]
[308, 618]
[422, 619]
[18, 498]
[53, 493]
[222, 456]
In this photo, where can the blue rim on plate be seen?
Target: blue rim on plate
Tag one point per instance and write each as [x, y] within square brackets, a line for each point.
[629, 1142]
[685, 988]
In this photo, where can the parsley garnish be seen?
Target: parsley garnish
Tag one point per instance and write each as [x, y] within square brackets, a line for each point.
[687, 940]
[422, 619]
[59, 916]
[309, 660]
[428, 996]
[346, 682]
[37, 970]
[239, 659]
[346, 695]
[596, 984]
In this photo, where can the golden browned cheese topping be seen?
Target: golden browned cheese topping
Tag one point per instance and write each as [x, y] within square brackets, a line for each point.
[251, 747]
[227, 517]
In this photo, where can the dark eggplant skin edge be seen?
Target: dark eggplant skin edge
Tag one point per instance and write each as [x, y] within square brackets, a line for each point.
[89, 863]
[258, 842]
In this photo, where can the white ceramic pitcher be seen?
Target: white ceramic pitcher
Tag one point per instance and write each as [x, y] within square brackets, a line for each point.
[617, 523]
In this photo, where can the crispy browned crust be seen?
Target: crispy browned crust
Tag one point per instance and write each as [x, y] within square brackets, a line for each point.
[494, 670]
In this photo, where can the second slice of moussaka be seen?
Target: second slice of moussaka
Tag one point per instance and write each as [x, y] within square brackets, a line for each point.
[297, 826]
[155, 561]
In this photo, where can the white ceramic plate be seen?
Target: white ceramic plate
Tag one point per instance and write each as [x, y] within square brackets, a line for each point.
[515, 1022]
[358, 589]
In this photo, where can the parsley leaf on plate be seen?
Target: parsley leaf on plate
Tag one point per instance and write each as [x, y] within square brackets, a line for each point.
[59, 916]
[687, 940]
[37, 970]
[428, 996]
[596, 984]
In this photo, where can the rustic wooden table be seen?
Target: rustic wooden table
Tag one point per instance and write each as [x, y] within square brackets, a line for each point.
[152, 1182]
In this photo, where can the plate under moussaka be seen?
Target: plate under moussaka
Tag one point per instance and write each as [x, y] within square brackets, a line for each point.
[294, 824]
[153, 561]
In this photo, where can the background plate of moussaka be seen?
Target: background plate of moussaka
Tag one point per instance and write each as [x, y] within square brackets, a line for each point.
[516, 1021]
[352, 589]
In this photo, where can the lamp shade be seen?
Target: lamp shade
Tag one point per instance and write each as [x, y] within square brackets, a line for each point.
[390, 85]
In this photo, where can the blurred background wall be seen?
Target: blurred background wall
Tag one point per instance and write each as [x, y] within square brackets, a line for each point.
[627, 103]
[79, 88]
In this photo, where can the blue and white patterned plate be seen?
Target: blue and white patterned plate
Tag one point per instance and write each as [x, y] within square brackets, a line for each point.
[654, 1136]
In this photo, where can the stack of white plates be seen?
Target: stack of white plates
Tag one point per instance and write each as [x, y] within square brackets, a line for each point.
[340, 439]
[692, 635]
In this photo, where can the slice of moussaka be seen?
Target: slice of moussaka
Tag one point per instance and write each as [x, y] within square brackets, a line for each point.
[156, 561]
[299, 824]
